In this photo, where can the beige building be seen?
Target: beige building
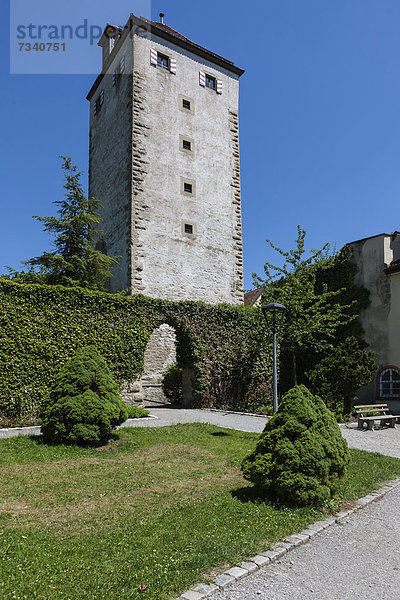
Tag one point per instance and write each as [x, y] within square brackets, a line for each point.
[164, 163]
[378, 262]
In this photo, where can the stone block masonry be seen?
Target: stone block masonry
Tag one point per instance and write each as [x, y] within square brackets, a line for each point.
[160, 353]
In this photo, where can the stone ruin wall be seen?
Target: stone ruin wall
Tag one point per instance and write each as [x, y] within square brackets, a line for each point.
[159, 354]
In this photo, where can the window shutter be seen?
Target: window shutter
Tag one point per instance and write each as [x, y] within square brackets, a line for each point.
[114, 78]
[202, 79]
[153, 57]
[122, 64]
[219, 86]
[172, 65]
[95, 107]
[101, 99]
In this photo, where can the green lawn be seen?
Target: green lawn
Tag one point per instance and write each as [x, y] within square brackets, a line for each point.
[161, 507]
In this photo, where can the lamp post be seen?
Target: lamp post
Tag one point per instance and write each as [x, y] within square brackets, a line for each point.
[277, 312]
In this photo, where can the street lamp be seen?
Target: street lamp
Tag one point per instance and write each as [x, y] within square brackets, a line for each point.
[276, 313]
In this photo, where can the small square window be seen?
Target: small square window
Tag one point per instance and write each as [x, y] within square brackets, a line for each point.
[186, 145]
[186, 104]
[211, 82]
[162, 61]
[188, 187]
[189, 230]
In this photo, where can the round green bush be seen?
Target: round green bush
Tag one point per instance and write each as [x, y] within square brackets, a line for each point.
[137, 412]
[83, 405]
[301, 452]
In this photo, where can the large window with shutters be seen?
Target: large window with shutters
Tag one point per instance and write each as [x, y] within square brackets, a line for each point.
[163, 61]
[120, 68]
[210, 82]
[98, 102]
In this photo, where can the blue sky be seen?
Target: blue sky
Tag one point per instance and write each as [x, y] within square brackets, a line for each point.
[319, 120]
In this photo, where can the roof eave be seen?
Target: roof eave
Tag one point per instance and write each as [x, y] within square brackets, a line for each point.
[368, 238]
[392, 269]
[124, 32]
[199, 50]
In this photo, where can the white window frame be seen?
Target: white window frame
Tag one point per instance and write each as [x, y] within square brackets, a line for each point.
[390, 382]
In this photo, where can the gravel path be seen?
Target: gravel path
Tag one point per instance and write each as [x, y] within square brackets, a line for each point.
[173, 416]
[359, 560]
[385, 441]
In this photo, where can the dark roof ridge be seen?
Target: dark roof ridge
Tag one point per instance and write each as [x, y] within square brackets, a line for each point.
[370, 237]
[171, 30]
[166, 30]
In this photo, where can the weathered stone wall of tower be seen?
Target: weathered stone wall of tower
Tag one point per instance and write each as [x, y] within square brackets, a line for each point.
[170, 264]
[110, 159]
[138, 168]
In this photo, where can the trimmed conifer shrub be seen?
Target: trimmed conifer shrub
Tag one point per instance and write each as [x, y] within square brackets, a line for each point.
[301, 452]
[83, 405]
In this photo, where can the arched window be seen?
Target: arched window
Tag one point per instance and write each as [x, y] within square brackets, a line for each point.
[389, 383]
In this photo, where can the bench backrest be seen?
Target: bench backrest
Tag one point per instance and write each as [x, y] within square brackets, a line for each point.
[372, 410]
[371, 406]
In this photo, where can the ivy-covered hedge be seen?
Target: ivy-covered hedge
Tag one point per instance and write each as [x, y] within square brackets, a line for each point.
[41, 327]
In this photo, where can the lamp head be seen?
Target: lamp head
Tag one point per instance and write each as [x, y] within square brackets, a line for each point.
[277, 312]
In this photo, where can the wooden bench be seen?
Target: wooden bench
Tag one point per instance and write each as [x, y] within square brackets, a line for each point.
[380, 412]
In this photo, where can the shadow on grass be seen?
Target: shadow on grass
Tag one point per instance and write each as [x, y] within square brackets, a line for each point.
[220, 434]
[252, 494]
[40, 441]
[258, 495]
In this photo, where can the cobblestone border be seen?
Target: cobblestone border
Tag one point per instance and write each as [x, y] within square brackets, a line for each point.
[129, 421]
[14, 431]
[201, 591]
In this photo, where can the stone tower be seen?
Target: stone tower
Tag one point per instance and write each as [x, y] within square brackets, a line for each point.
[164, 163]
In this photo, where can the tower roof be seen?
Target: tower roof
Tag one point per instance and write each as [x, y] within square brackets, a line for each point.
[167, 32]
[168, 29]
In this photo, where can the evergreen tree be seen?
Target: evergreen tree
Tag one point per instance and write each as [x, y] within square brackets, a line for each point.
[83, 405]
[75, 260]
[338, 376]
[301, 454]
